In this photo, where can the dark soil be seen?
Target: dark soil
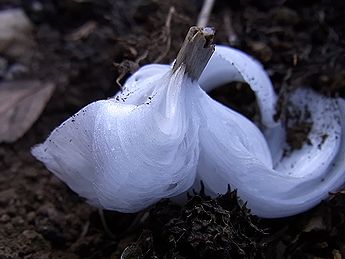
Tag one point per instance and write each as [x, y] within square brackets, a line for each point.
[83, 47]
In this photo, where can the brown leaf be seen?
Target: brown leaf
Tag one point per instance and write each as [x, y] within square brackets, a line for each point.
[21, 103]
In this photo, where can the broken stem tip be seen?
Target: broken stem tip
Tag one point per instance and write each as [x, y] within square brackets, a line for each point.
[196, 51]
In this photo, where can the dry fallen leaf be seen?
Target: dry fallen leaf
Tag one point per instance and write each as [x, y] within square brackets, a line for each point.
[21, 103]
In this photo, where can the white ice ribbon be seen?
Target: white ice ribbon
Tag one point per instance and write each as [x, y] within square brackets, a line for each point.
[163, 133]
[295, 182]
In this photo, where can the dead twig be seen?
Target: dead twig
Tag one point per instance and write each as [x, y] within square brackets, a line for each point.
[128, 66]
[83, 31]
[205, 13]
[139, 219]
[83, 232]
[232, 36]
[166, 34]
[105, 225]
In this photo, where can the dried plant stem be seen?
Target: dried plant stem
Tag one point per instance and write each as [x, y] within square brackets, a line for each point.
[205, 13]
[232, 36]
[196, 51]
[105, 225]
[166, 34]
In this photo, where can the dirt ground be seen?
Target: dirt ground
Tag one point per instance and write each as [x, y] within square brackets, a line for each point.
[83, 47]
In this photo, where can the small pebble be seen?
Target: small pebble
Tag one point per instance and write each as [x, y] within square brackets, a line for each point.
[5, 218]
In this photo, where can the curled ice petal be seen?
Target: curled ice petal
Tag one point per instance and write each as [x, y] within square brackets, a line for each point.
[126, 157]
[232, 130]
[68, 151]
[228, 65]
[294, 183]
[323, 140]
[140, 86]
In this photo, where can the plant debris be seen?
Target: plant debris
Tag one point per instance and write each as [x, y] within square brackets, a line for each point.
[21, 103]
[203, 228]
[298, 125]
[15, 32]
